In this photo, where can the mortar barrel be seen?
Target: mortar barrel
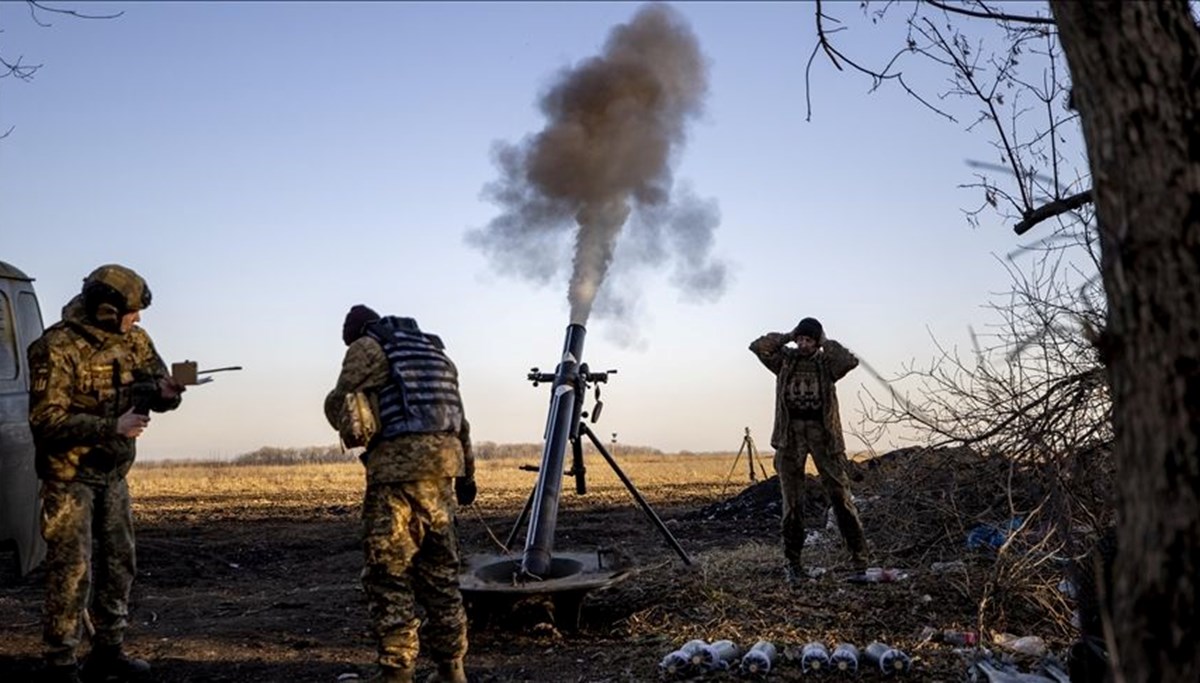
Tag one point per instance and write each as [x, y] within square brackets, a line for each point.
[539, 539]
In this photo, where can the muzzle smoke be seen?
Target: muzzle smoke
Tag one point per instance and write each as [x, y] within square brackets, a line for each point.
[615, 123]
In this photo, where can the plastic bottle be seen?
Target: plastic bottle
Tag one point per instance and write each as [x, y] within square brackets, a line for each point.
[960, 638]
[884, 575]
[844, 660]
[759, 659]
[879, 575]
[886, 659]
[1031, 646]
[950, 637]
[814, 657]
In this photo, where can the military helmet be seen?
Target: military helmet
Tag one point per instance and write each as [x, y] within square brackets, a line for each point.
[131, 288]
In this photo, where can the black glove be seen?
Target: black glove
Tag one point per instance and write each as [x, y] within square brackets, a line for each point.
[465, 490]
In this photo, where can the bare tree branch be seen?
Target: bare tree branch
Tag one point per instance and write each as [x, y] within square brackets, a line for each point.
[25, 72]
[878, 76]
[34, 5]
[987, 13]
[1054, 208]
[18, 70]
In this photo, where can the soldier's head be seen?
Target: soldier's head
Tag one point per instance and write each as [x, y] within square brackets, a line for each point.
[114, 296]
[808, 335]
[356, 323]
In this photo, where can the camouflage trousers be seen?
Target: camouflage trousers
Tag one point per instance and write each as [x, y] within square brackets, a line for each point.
[411, 559]
[810, 436]
[75, 518]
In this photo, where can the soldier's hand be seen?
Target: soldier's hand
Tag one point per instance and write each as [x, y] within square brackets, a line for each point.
[131, 424]
[465, 490]
[169, 388]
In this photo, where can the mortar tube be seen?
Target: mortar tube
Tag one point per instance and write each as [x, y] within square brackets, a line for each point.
[539, 539]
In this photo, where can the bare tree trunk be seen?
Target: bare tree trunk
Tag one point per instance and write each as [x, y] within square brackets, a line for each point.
[1135, 69]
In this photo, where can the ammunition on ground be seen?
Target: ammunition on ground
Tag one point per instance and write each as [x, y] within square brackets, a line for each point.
[694, 649]
[759, 659]
[675, 665]
[719, 656]
[844, 659]
[682, 662]
[814, 657]
[886, 659]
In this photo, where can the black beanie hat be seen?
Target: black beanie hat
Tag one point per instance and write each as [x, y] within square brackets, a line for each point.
[356, 321]
[809, 327]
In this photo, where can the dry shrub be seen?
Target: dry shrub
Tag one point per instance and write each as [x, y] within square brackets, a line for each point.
[921, 506]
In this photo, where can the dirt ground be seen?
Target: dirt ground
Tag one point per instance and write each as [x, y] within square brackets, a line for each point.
[252, 590]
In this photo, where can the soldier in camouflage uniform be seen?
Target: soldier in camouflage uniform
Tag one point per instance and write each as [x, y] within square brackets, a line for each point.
[95, 375]
[418, 465]
[807, 421]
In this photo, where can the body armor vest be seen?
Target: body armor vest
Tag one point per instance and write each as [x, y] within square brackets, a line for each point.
[422, 396]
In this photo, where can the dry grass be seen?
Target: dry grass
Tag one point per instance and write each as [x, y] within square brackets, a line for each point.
[214, 487]
[735, 590]
[221, 479]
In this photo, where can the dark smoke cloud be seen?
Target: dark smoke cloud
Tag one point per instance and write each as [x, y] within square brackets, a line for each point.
[602, 163]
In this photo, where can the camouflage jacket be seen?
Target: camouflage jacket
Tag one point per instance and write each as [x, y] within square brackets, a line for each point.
[409, 457]
[833, 362]
[84, 378]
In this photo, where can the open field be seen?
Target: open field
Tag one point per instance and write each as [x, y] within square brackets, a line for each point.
[250, 573]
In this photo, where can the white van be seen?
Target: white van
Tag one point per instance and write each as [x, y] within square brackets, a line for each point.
[20, 325]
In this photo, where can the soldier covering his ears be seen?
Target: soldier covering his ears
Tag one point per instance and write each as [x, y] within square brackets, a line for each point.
[807, 421]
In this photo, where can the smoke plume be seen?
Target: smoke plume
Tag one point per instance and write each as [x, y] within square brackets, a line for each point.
[615, 123]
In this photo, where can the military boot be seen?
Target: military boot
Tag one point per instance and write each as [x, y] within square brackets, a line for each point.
[796, 575]
[449, 672]
[109, 663]
[60, 673]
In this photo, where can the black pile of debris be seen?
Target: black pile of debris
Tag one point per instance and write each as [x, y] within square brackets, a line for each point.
[910, 499]
[762, 501]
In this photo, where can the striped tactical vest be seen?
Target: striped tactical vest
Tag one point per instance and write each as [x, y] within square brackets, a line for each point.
[422, 396]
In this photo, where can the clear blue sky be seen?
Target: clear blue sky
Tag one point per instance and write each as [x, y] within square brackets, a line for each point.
[265, 166]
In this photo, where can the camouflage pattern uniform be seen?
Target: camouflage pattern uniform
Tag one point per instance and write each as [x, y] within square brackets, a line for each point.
[820, 434]
[85, 374]
[409, 539]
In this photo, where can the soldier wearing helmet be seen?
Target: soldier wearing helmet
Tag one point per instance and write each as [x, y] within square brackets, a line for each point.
[807, 421]
[95, 377]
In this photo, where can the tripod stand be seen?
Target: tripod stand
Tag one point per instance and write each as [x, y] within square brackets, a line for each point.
[577, 471]
[751, 454]
[564, 423]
